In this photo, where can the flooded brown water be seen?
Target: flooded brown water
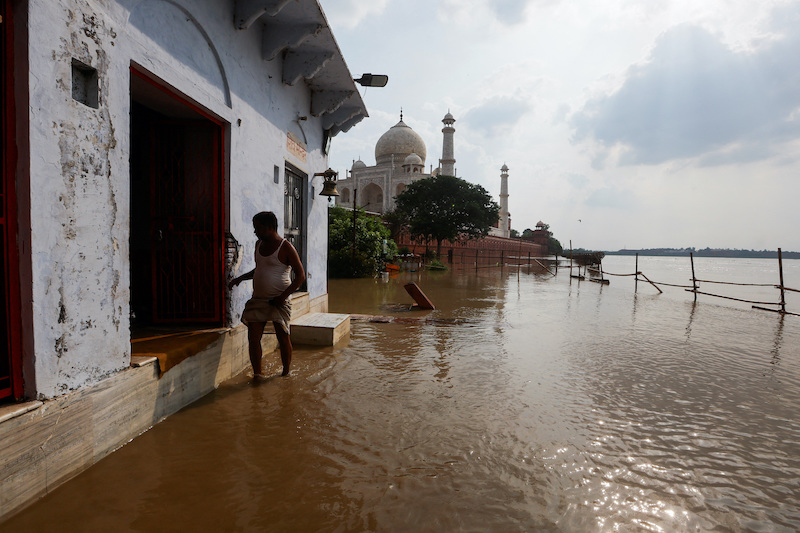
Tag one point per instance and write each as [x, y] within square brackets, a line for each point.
[548, 406]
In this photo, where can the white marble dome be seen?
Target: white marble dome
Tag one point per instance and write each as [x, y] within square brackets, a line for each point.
[358, 164]
[412, 159]
[401, 141]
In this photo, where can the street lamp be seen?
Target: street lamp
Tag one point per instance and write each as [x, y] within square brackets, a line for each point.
[373, 80]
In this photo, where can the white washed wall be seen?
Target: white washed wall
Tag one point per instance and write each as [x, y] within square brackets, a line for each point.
[79, 162]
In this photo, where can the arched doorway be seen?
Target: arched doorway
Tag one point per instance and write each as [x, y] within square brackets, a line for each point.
[372, 199]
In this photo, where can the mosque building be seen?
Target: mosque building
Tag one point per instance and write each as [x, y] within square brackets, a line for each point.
[400, 156]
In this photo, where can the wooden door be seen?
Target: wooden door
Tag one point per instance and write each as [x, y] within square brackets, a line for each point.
[185, 225]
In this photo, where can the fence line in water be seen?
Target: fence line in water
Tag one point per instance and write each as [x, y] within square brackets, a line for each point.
[694, 287]
[477, 259]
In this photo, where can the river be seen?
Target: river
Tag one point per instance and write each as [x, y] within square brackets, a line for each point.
[524, 402]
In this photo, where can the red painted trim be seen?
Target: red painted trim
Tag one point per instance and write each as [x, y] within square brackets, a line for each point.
[167, 90]
[9, 177]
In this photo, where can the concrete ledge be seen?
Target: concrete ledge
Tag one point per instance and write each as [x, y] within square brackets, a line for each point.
[7, 412]
[300, 302]
[321, 329]
[318, 304]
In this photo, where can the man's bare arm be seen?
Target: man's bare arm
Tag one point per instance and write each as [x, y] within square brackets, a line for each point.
[293, 260]
[235, 281]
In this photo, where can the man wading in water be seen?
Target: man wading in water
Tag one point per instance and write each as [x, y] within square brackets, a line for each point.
[272, 285]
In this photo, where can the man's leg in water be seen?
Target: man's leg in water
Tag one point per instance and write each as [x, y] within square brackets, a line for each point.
[254, 332]
[285, 342]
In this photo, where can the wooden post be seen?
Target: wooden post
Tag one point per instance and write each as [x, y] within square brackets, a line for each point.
[476, 258]
[694, 279]
[529, 259]
[502, 261]
[780, 272]
[636, 276]
[570, 258]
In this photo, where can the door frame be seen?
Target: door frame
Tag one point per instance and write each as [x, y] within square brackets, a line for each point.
[11, 251]
[220, 196]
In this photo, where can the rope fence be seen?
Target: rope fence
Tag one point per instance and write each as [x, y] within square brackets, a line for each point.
[477, 259]
[694, 287]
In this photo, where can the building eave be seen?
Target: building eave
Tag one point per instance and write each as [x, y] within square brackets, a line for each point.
[297, 33]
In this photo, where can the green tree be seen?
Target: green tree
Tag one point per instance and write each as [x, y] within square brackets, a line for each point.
[514, 234]
[369, 240]
[528, 232]
[554, 246]
[447, 208]
[395, 221]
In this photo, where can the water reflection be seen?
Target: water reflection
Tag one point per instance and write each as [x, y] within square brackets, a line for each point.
[557, 406]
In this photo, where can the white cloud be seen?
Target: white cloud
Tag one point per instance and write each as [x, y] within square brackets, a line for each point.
[497, 114]
[350, 13]
[725, 139]
[696, 97]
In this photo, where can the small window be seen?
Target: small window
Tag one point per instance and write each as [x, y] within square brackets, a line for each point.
[84, 84]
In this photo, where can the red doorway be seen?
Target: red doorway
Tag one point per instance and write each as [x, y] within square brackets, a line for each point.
[177, 196]
[10, 328]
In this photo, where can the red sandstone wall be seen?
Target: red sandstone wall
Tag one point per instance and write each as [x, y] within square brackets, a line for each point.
[488, 249]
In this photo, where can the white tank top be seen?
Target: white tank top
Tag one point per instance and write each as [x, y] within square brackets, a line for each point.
[271, 276]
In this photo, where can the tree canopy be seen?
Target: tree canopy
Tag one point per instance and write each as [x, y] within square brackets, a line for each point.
[369, 243]
[447, 208]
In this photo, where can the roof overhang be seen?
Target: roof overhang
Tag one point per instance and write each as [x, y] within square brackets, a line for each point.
[298, 31]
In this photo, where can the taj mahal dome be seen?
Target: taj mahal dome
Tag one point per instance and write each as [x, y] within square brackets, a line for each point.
[400, 156]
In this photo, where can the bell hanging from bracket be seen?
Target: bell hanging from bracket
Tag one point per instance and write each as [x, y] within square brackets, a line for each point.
[329, 183]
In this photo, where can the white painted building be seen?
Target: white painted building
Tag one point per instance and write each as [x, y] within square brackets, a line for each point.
[139, 139]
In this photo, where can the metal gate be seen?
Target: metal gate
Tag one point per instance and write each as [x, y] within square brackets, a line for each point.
[294, 194]
[185, 200]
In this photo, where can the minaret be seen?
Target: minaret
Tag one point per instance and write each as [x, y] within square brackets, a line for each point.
[504, 215]
[448, 161]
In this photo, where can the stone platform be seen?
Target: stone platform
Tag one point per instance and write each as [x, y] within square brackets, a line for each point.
[320, 329]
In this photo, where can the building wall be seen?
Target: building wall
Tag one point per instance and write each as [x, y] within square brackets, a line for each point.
[79, 168]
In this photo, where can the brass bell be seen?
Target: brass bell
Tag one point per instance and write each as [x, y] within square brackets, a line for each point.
[329, 188]
[329, 183]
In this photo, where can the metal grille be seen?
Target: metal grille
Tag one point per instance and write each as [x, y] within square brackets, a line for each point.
[294, 194]
[185, 229]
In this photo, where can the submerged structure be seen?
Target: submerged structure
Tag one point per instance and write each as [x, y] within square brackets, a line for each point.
[139, 138]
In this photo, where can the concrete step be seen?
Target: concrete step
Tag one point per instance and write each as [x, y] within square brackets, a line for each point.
[300, 304]
[320, 329]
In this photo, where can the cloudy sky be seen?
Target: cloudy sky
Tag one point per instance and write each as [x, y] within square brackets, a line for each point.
[625, 124]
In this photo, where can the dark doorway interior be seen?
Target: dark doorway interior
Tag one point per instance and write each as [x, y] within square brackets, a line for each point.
[176, 211]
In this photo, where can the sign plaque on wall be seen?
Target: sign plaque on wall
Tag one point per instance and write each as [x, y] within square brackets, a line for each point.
[296, 147]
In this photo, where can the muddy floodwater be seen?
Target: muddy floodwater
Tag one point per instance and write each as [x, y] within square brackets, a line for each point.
[525, 402]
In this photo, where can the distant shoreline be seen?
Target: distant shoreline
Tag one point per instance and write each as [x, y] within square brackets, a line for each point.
[708, 252]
